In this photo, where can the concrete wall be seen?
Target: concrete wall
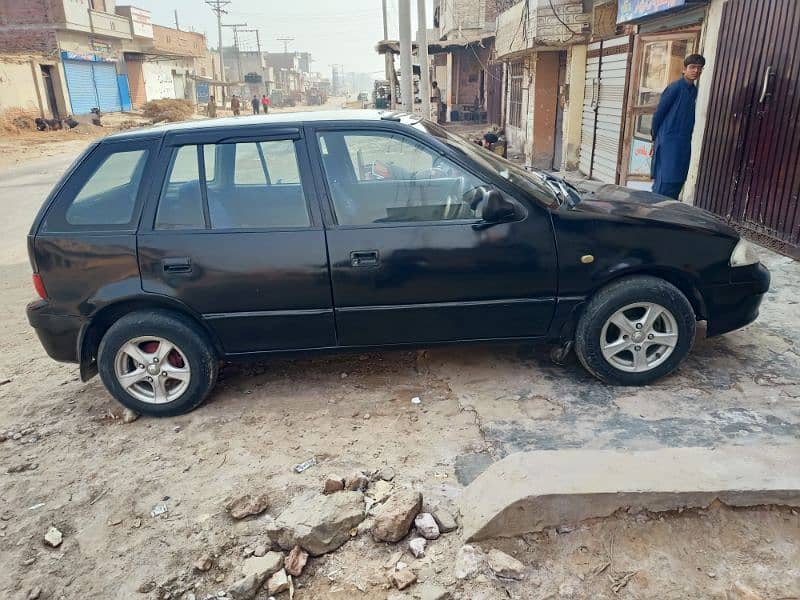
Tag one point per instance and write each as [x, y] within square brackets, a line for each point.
[518, 137]
[459, 18]
[158, 81]
[708, 47]
[18, 88]
[573, 111]
[76, 14]
[110, 25]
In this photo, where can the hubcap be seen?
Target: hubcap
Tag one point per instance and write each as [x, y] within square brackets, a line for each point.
[639, 337]
[152, 370]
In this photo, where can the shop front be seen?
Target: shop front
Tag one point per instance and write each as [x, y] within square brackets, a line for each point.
[667, 32]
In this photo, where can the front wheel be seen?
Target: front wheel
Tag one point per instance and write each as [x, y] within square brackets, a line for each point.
[157, 363]
[635, 331]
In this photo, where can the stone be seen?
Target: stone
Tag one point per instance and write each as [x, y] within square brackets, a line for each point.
[426, 526]
[318, 523]
[34, 594]
[403, 579]
[263, 566]
[417, 547]
[246, 588]
[247, 505]
[469, 561]
[204, 563]
[505, 566]
[146, 587]
[333, 483]
[740, 591]
[296, 561]
[129, 416]
[365, 526]
[567, 591]
[260, 550]
[393, 520]
[393, 560]
[386, 474]
[380, 491]
[53, 537]
[445, 520]
[278, 583]
[356, 482]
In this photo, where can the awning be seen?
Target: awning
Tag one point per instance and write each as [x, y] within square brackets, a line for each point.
[210, 81]
[438, 47]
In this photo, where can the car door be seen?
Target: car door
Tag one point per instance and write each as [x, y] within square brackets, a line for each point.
[411, 260]
[234, 233]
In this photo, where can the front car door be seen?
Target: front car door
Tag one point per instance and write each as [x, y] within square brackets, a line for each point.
[410, 259]
[234, 233]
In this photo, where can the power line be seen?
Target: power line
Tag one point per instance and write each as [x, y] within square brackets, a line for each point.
[285, 41]
[217, 7]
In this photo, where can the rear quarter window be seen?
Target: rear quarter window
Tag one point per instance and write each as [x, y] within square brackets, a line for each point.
[103, 193]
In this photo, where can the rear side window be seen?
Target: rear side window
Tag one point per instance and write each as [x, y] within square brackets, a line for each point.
[101, 195]
[247, 185]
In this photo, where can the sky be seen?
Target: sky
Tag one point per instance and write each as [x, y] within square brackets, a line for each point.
[335, 32]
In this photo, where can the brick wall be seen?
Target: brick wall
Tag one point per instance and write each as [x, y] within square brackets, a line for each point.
[175, 41]
[30, 12]
[42, 42]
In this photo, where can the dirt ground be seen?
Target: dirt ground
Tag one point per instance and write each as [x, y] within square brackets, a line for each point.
[75, 464]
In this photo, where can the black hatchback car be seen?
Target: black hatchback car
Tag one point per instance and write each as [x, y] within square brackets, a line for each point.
[164, 251]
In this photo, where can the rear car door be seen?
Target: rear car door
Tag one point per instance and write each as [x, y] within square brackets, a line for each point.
[236, 235]
[411, 260]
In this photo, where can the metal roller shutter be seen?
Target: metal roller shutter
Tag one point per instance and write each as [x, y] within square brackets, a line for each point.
[603, 104]
[105, 81]
[80, 84]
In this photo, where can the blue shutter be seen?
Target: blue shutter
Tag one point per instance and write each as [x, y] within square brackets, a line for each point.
[80, 84]
[124, 92]
[105, 82]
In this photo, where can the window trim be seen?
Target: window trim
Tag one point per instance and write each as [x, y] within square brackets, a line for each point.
[385, 131]
[172, 146]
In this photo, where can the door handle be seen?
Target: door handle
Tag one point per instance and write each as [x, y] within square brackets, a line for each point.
[364, 258]
[177, 265]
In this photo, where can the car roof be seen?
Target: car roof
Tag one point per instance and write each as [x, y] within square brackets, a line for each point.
[293, 118]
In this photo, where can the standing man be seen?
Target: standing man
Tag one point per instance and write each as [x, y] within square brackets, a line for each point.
[436, 101]
[236, 106]
[265, 103]
[255, 104]
[212, 107]
[672, 128]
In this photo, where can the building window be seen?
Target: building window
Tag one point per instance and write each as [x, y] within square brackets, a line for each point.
[515, 98]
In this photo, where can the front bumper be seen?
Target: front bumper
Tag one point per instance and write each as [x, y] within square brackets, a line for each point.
[57, 332]
[735, 304]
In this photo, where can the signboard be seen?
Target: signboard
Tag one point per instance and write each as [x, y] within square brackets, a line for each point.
[67, 55]
[630, 10]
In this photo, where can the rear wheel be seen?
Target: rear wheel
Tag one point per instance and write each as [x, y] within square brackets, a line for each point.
[635, 331]
[157, 363]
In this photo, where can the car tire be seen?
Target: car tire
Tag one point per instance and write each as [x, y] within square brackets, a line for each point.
[179, 384]
[613, 347]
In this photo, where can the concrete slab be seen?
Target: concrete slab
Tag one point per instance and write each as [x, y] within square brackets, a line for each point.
[530, 491]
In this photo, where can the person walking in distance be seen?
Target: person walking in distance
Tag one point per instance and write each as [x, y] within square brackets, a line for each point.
[236, 106]
[212, 107]
[673, 123]
[265, 103]
[436, 101]
[255, 104]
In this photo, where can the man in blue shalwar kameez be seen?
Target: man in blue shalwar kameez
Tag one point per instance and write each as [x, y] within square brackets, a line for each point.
[672, 128]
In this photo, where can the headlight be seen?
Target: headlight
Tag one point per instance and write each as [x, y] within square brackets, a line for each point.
[744, 254]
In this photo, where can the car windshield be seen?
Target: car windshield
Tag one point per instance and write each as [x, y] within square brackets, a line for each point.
[542, 185]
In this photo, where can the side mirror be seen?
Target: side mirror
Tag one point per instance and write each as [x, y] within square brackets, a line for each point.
[498, 208]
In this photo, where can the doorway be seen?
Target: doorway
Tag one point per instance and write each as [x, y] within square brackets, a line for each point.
[658, 61]
[50, 90]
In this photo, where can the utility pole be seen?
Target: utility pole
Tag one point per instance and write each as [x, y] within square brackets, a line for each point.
[217, 8]
[388, 58]
[285, 41]
[260, 57]
[422, 50]
[406, 70]
[236, 27]
[176, 20]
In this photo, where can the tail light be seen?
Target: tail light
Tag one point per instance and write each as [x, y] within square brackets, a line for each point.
[38, 284]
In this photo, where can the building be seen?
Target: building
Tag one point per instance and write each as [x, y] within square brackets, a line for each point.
[250, 71]
[60, 57]
[542, 45]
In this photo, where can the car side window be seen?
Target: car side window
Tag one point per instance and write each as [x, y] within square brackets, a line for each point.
[382, 177]
[247, 185]
[108, 196]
